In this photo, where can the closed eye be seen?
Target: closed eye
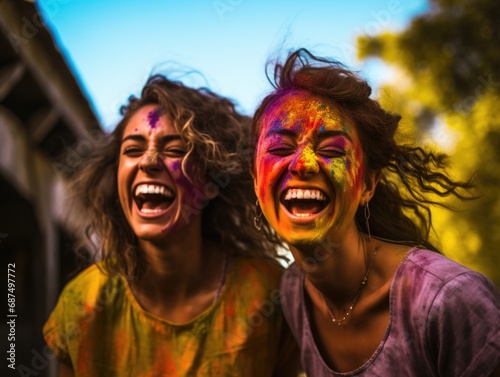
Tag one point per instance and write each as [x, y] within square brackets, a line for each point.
[133, 151]
[281, 149]
[331, 152]
[174, 152]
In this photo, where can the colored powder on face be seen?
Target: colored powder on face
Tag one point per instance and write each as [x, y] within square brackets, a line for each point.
[358, 161]
[348, 164]
[153, 118]
[337, 169]
[307, 159]
[307, 117]
[175, 166]
[297, 126]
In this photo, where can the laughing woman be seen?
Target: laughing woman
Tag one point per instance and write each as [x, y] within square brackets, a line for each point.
[368, 294]
[186, 285]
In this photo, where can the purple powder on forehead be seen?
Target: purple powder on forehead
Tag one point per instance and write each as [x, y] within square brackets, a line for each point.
[153, 118]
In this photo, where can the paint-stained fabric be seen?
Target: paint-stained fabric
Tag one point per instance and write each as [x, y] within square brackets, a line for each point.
[99, 329]
[444, 321]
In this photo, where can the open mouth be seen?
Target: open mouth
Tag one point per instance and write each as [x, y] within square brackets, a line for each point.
[304, 202]
[153, 199]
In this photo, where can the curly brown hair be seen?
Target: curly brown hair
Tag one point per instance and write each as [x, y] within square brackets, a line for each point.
[409, 176]
[216, 136]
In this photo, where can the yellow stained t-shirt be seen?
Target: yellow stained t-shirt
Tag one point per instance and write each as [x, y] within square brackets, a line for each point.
[99, 328]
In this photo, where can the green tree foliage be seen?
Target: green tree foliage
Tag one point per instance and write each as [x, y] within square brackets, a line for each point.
[449, 58]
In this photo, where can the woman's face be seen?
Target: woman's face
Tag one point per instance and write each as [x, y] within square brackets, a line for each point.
[308, 169]
[156, 196]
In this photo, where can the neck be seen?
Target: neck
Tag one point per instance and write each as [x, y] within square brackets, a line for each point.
[176, 267]
[339, 266]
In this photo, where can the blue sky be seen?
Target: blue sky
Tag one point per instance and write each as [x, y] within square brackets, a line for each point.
[114, 45]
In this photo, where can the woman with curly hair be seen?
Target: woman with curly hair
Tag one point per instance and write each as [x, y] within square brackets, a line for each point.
[368, 294]
[186, 286]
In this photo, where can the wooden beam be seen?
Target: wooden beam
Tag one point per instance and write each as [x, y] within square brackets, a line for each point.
[43, 59]
[10, 75]
[40, 124]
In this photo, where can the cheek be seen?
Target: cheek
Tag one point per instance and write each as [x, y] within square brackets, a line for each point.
[123, 177]
[262, 169]
[346, 173]
[357, 169]
[188, 189]
[339, 172]
[269, 170]
[175, 169]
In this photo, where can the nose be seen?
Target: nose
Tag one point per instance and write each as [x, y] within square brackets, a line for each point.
[150, 161]
[304, 162]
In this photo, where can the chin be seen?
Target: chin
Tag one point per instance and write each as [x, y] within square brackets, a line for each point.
[303, 241]
[151, 233]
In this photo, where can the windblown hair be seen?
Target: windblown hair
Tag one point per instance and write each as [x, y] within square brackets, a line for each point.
[214, 134]
[410, 176]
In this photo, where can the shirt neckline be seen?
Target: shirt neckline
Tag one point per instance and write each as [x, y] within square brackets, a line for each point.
[381, 345]
[231, 263]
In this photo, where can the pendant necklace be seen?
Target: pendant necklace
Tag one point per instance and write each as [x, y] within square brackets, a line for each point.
[355, 295]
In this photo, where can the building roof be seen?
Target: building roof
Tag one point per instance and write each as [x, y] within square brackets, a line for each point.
[37, 85]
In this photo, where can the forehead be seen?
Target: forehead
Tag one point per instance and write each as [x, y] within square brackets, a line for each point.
[149, 119]
[300, 111]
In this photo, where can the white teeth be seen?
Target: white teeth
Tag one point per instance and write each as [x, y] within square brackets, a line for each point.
[150, 211]
[154, 189]
[304, 194]
[302, 214]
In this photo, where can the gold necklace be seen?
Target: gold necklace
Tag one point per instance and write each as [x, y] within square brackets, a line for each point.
[355, 296]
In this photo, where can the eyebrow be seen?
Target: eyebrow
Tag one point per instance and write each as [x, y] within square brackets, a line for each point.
[321, 135]
[283, 132]
[334, 133]
[164, 139]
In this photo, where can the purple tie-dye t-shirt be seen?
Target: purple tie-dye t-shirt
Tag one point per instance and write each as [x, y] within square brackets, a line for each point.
[444, 321]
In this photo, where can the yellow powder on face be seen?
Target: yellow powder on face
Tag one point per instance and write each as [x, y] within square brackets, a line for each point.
[308, 158]
[338, 171]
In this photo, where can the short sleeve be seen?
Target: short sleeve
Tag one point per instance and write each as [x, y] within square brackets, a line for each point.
[464, 327]
[54, 335]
